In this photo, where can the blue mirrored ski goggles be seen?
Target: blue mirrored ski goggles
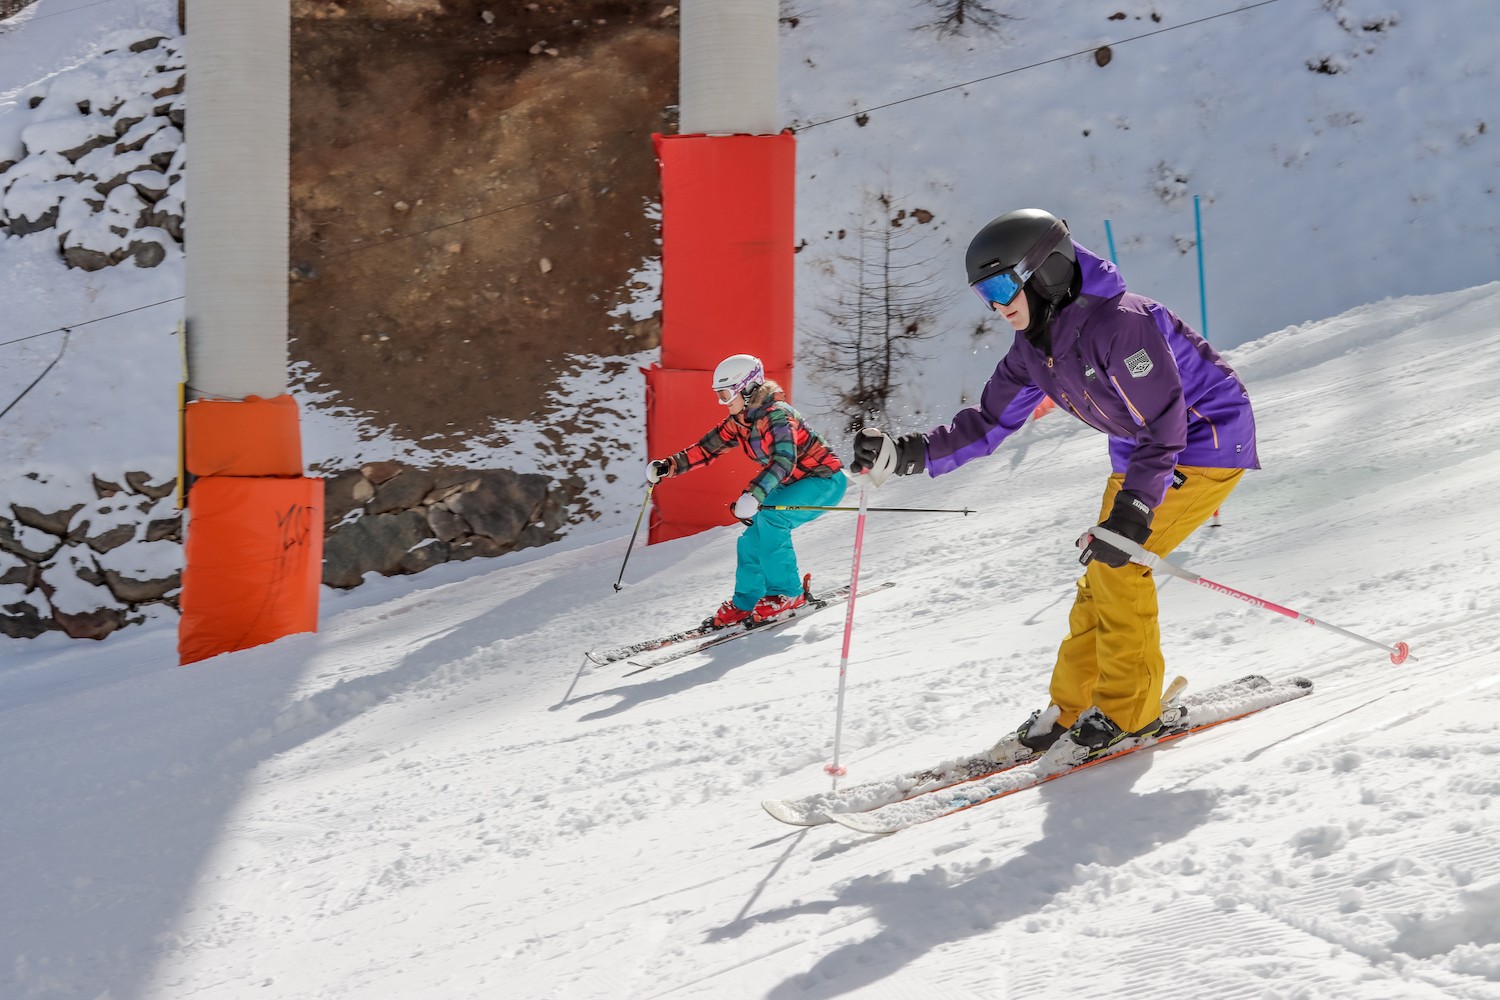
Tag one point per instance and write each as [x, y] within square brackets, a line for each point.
[1001, 287]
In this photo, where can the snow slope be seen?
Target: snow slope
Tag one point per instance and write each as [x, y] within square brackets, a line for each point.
[434, 798]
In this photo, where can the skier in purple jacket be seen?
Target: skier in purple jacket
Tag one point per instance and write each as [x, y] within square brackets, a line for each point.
[1181, 435]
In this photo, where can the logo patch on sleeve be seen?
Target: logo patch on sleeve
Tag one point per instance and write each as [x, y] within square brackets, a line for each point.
[1139, 364]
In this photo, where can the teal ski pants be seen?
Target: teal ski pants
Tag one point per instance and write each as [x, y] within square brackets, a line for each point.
[767, 561]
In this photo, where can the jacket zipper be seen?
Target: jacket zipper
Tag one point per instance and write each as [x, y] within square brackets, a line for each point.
[1104, 419]
[1068, 402]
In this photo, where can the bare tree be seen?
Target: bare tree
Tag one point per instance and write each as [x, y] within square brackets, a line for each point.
[957, 16]
[883, 305]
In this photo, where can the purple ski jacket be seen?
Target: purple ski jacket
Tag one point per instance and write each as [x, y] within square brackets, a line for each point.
[1124, 365]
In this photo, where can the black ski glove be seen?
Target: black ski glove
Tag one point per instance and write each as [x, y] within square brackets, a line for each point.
[909, 450]
[1131, 517]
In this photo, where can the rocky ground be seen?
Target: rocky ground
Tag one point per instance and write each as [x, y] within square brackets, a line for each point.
[471, 185]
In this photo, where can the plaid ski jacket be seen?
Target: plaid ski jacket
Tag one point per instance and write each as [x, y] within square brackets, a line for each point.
[773, 434]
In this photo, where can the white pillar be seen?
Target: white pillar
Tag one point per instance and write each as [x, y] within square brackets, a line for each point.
[238, 135]
[727, 67]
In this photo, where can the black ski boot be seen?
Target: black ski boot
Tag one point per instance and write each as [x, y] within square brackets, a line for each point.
[1033, 737]
[1096, 735]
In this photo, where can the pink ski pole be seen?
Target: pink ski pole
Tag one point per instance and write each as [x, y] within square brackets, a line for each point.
[836, 769]
[1400, 652]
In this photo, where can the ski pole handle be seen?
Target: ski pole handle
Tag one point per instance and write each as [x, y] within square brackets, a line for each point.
[1400, 652]
[638, 518]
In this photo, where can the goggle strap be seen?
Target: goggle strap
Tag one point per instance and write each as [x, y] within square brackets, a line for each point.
[1041, 250]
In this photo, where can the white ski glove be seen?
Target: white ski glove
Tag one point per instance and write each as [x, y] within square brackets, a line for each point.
[658, 470]
[879, 455]
[746, 507]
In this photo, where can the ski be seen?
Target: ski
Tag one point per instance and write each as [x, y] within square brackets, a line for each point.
[1213, 707]
[696, 640]
[815, 810]
[614, 654]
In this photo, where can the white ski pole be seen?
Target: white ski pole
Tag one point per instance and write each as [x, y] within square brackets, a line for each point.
[1400, 652]
[835, 769]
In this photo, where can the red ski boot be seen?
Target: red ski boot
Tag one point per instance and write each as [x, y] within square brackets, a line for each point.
[728, 615]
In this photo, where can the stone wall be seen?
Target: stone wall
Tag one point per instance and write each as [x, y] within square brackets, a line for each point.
[94, 567]
[392, 519]
[103, 160]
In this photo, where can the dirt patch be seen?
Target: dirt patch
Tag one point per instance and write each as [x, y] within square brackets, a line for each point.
[466, 205]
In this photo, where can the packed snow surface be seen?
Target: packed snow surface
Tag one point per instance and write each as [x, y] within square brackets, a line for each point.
[435, 797]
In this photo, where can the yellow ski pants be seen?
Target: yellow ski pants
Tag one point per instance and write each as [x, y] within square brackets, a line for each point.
[1112, 655]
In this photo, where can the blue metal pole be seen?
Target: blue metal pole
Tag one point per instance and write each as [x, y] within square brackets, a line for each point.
[1109, 234]
[1202, 287]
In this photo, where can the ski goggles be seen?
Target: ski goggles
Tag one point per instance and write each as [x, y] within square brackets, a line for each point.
[755, 375]
[1001, 288]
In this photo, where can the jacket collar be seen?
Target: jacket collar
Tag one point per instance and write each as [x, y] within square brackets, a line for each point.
[1101, 282]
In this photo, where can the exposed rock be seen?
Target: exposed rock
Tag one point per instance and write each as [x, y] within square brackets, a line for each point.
[9, 543]
[19, 225]
[111, 539]
[175, 88]
[152, 186]
[344, 492]
[58, 523]
[400, 492]
[133, 592]
[424, 556]
[147, 253]
[22, 621]
[88, 146]
[140, 482]
[125, 124]
[379, 472]
[23, 573]
[448, 481]
[446, 525]
[152, 216]
[88, 624]
[168, 529]
[500, 503]
[85, 259]
[374, 543]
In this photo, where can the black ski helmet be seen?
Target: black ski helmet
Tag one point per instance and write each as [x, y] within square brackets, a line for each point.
[1009, 240]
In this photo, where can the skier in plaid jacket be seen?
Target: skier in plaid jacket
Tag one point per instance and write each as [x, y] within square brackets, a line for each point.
[798, 469]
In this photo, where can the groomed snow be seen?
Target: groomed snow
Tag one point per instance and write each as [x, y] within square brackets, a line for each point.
[433, 797]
